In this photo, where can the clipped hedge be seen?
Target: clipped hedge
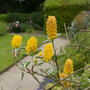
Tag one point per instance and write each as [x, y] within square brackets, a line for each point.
[63, 10]
[21, 17]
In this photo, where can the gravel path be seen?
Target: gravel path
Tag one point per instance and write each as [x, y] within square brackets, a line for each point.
[11, 79]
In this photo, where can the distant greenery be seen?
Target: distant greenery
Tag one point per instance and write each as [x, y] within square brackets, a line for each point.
[63, 10]
[34, 19]
[3, 28]
[79, 57]
[80, 22]
[4, 17]
[6, 57]
[25, 6]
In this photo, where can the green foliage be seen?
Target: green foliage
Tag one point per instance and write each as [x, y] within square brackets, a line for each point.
[21, 17]
[79, 57]
[3, 28]
[85, 79]
[3, 17]
[63, 10]
[35, 19]
[80, 22]
[21, 28]
[25, 6]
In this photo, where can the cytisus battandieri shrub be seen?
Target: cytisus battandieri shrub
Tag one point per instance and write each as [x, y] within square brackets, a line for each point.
[64, 79]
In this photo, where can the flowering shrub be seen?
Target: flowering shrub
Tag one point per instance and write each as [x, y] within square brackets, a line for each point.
[16, 27]
[64, 80]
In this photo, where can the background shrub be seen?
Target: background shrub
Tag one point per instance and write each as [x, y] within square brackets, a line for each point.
[81, 56]
[21, 28]
[23, 6]
[21, 17]
[3, 17]
[3, 28]
[35, 19]
[63, 10]
[80, 22]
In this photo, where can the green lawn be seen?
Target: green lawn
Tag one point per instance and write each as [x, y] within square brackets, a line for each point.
[6, 58]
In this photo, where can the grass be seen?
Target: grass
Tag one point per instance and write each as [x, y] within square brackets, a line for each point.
[3, 28]
[6, 58]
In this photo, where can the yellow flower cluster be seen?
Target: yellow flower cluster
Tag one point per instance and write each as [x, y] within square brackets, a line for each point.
[68, 68]
[48, 52]
[51, 27]
[66, 83]
[16, 41]
[40, 53]
[31, 45]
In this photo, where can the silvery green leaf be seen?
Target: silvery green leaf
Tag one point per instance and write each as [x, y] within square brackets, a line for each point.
[39, 57]
[36, 52]
[39, 64]
[46, 41]
[26, 64]
[22, 75]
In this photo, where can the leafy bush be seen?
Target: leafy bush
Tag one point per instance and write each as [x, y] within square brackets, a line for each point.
[17, 27]
[21, 17]
[85, 79]
[3, 28]
[63, 10]
[25, 6]
[3, 17]
[35, 19]
[80, 22]
[79, 57]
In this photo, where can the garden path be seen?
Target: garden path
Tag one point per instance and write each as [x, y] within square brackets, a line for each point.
[11, 79]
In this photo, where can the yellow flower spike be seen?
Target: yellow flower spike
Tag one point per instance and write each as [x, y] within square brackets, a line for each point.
[48, 52]
[31, 45]
[66, 83]
[68, 67]
[40, 53]
[51, 27]
[16, 41]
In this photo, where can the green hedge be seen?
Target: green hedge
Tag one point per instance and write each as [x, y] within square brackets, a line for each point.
[4, 17]
[63, 10]
[21, 17]
[36, 17]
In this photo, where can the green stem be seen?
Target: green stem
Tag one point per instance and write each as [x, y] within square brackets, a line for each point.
[55, 58]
